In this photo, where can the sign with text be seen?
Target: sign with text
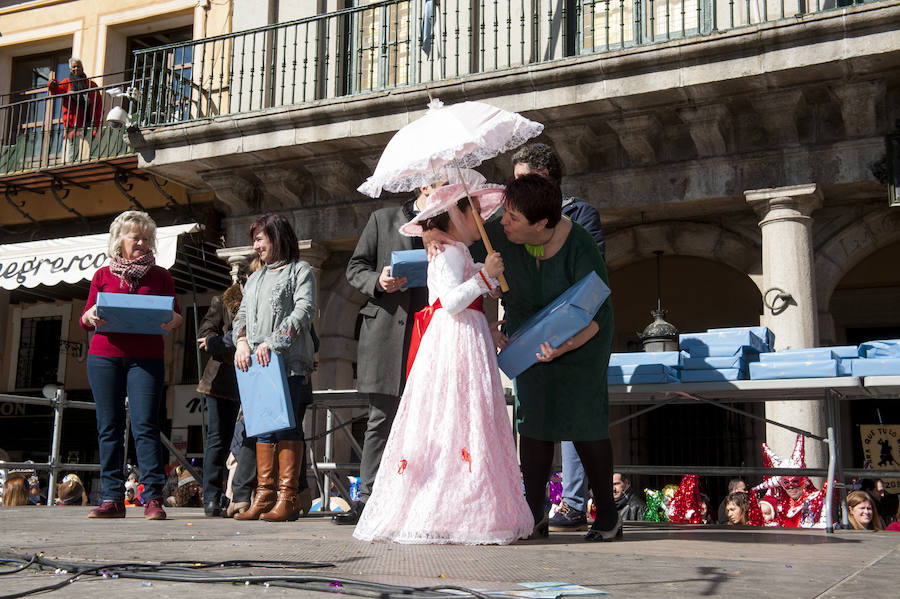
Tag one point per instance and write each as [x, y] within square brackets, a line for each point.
[186, 407]
[881, 450]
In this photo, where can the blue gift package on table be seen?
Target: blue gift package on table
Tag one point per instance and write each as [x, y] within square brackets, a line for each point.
[554, 323]
[725, 342]
[713, 374]
[666, 358]
[412, 264]
[805, 355]
[265, 398]
[133, 313]
[796, 370]
[876, 367]
[887, 348]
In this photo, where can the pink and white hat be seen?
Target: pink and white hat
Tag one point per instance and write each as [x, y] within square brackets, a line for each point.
[489, 196]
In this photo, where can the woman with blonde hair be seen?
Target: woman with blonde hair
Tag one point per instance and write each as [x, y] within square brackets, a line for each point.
[862, 514]
[129, 364]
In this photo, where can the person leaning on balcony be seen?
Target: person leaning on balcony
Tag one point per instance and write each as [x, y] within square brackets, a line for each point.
[276, 314]
[387, 325]
[81, 112]
[129, 364]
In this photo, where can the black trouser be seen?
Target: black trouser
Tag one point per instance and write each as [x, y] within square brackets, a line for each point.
[221, 416]
[382, 410]
[536, 456]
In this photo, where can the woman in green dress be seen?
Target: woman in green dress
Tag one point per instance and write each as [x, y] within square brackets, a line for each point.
[564, 396]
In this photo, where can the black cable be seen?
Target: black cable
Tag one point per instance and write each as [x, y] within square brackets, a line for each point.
[180, 571]
[20, 568]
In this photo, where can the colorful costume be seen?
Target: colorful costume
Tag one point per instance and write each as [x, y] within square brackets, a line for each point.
[451, 447]
[804, 511]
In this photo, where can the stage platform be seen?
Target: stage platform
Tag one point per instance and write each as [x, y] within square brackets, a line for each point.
[651, 561]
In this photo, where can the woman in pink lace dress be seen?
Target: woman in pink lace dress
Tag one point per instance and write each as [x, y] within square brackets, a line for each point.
[449, 472]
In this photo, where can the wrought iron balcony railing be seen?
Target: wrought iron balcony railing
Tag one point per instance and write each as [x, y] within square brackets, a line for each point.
[394, 43]
[40, 130]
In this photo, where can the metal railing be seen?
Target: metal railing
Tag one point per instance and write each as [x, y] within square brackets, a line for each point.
[58, 403]
[395, 43]
[40, 130]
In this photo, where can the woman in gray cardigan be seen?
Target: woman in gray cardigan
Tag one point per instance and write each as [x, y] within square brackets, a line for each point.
[276, 314]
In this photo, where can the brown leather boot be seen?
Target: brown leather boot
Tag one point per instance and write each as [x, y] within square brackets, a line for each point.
[265, 483]
[287, 508]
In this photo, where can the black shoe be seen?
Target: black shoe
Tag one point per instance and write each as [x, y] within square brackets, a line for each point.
[350, 517]
[541, 531]
[211, 509]
[595, 535]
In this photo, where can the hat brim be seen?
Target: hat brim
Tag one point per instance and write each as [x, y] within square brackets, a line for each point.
[489, 201]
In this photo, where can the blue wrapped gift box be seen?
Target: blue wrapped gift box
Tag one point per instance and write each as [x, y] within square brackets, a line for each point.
[265, 397]
[713, 374]
[667, 358]
[750, 354]
[795, 370]
[763, 333]
[630, 369]
[643, 379]
[412, 264]
[723, 343]
[876, 367]
[887, 348]
[133, 313]
[811, 354]
[554, 323]
[712, 362]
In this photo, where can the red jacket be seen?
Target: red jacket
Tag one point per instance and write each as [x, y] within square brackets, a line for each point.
[74, 108]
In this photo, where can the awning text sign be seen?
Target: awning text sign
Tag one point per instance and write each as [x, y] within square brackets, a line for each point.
[71, 259]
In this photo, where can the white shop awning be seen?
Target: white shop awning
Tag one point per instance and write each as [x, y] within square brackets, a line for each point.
[71, 259]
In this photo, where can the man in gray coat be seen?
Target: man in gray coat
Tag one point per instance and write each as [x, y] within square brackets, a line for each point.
[387, 323]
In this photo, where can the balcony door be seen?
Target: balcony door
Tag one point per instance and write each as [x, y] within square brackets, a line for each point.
[32, 127]
[381, 45]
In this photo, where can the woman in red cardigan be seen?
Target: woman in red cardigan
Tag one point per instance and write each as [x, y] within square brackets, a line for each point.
[128, 364]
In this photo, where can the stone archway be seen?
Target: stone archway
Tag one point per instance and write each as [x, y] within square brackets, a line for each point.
[683, 238]
[845, 250]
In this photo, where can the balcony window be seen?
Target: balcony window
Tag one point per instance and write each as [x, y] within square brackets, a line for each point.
[165, 78]
[381, 46]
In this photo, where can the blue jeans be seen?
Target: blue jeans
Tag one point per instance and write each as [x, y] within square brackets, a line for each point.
[221, 415]
[141, 379]
[300, 388]
[574, 482]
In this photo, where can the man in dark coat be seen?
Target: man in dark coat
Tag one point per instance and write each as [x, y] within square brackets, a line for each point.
[629, 505]
[387, 322]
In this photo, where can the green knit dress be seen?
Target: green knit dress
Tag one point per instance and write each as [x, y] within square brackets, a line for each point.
[566, 399]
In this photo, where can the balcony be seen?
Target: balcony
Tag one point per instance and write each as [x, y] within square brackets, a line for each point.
[397, 43]
[664, 100]
[51, 138]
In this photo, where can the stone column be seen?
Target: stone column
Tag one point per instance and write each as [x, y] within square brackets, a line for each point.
[787, 261]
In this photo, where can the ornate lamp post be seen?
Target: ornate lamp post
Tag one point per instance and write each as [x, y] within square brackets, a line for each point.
[659, 334]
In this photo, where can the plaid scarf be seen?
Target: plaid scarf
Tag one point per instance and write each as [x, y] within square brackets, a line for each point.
[130, 272]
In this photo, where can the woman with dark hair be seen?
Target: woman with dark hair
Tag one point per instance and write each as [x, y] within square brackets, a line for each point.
[737, 507]
[276, 314]
[129, 364]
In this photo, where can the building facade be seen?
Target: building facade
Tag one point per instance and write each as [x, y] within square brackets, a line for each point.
[737, 138]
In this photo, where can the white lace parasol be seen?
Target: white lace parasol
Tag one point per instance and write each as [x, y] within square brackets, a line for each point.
[469, 132]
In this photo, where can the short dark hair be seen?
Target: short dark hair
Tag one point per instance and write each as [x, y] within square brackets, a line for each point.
[442, 221]
[740, 499]
[536, 197]
[539, 157]
[733, 483]
[280, 233]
